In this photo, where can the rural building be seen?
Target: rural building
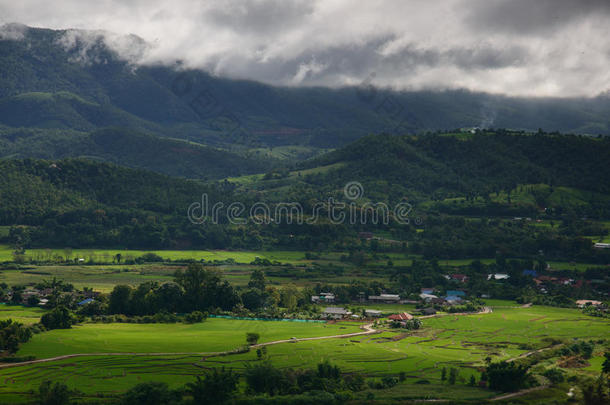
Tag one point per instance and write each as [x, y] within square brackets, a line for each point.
[462, 278]
[427, 297]
[453, 299]
[86, 301]
[328, 298]
[498, 276]
[428, 311]
[582, 303]
[602, 246]
[530, 273]
[387, 298]
[457, 293]
[427, 290]
[336, 313]
[372, 313]
[400, 317]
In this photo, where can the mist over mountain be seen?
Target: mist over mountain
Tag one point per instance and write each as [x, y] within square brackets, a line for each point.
[76, 80]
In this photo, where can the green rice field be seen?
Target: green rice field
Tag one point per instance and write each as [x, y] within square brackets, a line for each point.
[448, 341]
[213, 335]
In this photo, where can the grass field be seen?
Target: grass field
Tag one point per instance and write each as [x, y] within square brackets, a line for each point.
[100, 278]
[107, 255]
[213, 335]
[25, 315]
[450, 341]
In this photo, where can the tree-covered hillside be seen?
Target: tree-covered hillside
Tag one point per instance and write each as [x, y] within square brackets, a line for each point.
[470, 164]
[130, 148]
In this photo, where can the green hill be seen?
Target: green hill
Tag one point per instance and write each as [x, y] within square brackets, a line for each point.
[129, 148]
[487, 173]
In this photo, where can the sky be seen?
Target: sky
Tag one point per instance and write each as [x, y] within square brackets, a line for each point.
[557, 48]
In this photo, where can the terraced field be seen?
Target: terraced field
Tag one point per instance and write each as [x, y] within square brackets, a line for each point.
[462, 342]
[213, 335]
[18, 313]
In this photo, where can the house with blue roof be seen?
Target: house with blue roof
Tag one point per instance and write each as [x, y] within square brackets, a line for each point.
[457, 293]
[85, 302]
[531, 273]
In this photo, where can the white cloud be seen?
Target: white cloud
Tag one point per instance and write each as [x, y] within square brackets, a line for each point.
[514, 47]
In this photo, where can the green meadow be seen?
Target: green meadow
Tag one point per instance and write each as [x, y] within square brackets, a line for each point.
[462, 342]
[18, 313]
[107, 255]
[213, 335]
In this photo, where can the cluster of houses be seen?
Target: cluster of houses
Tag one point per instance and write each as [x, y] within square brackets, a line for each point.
[337, 313]
[452, 297]
[329, 298]
[40, 297]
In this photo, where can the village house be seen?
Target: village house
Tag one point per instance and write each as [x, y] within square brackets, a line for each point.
[453, 299]
[428, 311]
[335, 313]
[583, 303]
[386, 298]
[401, 317]
[457, 293]
[328, 298]
[462, 278]
[85, 301]
[372, 313]
[498, 276]
[427, 290]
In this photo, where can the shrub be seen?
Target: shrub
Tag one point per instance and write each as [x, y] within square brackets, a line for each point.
[195, 317]
[59, 318]
[53, 393]
[252, 338]
[504, 376]
[389, 382]
[151, 393]
[554, 375]
[149, 258]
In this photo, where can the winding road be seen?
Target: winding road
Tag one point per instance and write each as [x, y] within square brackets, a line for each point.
[367, 330]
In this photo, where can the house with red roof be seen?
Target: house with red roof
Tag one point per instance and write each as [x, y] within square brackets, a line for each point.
[400, 317]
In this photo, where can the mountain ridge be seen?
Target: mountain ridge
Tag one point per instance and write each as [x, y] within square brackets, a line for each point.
[195, 105]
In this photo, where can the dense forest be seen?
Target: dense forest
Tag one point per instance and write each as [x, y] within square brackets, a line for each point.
[473, 164]
[467, 211]
[130, 148]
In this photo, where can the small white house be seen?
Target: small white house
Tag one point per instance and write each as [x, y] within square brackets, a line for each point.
[372, 313]
[498, 276]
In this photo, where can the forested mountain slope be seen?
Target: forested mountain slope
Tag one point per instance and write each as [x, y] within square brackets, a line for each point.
[473, 163]
[129, 148]
[72, 80]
